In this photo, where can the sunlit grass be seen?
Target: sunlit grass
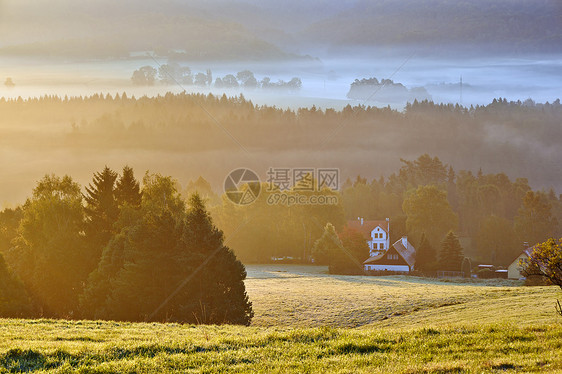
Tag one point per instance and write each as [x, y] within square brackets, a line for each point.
[408, 325]
[305, 296]
[102, 347]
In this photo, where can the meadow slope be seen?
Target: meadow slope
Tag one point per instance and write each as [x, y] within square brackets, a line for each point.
[303, 324]
[306, 296]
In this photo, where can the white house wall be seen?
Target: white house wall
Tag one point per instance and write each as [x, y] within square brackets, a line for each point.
[375, 243]
[514, 270]
[402, 268]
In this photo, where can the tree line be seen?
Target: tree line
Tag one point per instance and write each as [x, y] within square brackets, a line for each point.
[118, 251]
[493, 216]
[175, 74]
[426, 199]
[176, 123]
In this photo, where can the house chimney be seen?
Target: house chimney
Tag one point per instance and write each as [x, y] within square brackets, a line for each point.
[405, 241]
[387, 233]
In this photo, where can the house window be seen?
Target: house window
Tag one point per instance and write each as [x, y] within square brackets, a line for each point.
[381, 246]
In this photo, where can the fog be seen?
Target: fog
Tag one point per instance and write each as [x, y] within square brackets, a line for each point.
[325, 82]
[68, 48]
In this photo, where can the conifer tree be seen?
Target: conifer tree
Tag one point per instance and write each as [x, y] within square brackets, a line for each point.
[425, 256]
[168, 264]
[326, 246]
[451, 255]
[101, 211]
[351, 255]
[217, 293]
[127, 189]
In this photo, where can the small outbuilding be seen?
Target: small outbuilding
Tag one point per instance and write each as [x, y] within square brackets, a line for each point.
[514, 269]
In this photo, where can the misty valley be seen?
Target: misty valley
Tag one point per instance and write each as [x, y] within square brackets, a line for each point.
[255, 186]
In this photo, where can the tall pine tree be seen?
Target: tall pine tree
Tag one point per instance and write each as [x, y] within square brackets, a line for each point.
[127, 189]
[217, 293]
[326, 247]
[425, 256]
[451, 255]
[101, 211]
[168, 264]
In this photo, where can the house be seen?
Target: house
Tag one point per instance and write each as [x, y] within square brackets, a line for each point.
[514, 269]
[400, 257]
[375, 232]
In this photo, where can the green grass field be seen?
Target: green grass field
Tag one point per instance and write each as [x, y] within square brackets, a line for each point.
[308, 321]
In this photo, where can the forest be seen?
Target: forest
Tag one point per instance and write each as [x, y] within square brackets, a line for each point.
[112, 243]
[118, 252]
[175, 135]
[78, 252]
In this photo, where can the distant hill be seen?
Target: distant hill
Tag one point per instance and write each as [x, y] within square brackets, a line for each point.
[105, 29]
[500, 26]
[272, 30]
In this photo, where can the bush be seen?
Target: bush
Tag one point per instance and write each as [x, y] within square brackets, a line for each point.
[485, 274]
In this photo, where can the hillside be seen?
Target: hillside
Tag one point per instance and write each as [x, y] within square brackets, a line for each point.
[434, 26]
[305, 296]
[421, 326]
[117, 30]
[263, 30]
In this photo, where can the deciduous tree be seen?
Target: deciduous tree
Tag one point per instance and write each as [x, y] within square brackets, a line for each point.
[429, 212]
[53, 258]
[496, 241]
[545, 261]
[535, 222]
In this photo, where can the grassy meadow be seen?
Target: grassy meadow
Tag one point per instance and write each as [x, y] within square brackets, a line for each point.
[309, 321]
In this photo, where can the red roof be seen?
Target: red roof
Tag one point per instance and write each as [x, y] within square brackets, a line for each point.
[367, 226]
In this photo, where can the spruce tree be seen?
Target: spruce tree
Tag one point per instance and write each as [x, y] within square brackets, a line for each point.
[101, 211]
[217, 293]
[326, 247]
[127, 190]
[168, 264]
[451, 255]
[425, 256]
[349, 258]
